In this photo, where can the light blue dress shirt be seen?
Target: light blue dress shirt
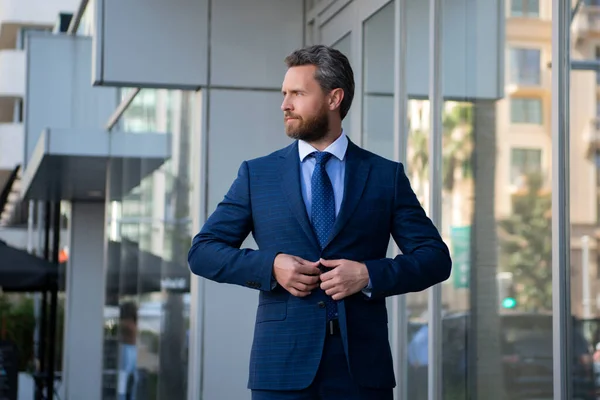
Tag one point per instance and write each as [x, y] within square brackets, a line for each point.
[336, 170]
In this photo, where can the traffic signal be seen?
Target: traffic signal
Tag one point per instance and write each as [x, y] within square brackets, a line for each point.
[509, 302]
[506, 291]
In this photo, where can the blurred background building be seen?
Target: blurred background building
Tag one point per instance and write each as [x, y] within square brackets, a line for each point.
[122, 125]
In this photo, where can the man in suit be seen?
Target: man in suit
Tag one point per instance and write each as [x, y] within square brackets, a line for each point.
[321, 212]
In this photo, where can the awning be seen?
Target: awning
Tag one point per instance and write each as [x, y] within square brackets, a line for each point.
[72, 164]
[21, 271]
[131, 271]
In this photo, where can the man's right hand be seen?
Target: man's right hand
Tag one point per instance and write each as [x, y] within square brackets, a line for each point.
[296, 275]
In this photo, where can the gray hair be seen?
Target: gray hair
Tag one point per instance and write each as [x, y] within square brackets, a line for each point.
[333, 70]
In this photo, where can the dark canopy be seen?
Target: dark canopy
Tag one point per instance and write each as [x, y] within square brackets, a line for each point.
[131, 270]
[24, 272]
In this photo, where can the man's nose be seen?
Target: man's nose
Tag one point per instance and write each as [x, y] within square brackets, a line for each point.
[286, 105]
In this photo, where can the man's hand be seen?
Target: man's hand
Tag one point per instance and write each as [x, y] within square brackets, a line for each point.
[346, 278]
[296, 275]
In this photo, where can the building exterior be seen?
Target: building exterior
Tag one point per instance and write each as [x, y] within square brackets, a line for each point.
[133, 124]
[16, 20]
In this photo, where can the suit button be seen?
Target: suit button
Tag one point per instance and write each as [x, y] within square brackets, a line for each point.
[321, 304]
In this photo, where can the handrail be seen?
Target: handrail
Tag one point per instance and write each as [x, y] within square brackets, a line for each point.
[114, 118]
[76, 20]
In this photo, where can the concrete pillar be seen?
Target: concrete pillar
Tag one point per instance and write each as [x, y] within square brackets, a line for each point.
[84, 305]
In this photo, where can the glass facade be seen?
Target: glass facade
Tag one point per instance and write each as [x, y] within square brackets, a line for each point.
[148, 234]
[497, 335]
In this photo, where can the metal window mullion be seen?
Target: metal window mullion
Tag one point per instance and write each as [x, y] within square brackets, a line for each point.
[399, 310]
[561, 286]
[358, 43]
[199, 216]
[435, 192]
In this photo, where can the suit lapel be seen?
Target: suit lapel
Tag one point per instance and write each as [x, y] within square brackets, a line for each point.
[290, 183]
[355, 179]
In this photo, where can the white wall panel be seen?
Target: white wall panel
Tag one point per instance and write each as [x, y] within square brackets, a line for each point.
[12, 73]
[250, 39]
[151, 43]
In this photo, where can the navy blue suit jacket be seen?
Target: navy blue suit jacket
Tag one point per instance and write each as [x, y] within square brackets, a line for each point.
[266, 200]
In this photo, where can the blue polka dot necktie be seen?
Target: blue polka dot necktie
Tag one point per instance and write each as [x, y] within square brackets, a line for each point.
[323, 212]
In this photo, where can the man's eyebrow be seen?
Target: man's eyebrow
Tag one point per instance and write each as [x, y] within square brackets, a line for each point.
[293, 91]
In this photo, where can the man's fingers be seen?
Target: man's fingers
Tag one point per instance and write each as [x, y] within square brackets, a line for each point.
[307, 279]
[338, 296]
[326, 276]
[308, 269]
[333, 292]
[327, 285]
[330, 263]
[303, 287]
[302, 261]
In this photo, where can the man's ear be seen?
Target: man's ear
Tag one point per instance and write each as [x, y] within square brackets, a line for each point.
[335, 99]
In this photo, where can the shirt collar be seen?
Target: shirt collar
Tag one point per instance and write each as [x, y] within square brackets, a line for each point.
[337, 148]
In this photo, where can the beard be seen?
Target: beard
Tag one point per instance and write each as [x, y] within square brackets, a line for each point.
[311, 129]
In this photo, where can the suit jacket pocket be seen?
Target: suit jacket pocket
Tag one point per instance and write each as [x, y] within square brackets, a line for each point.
[272, 311]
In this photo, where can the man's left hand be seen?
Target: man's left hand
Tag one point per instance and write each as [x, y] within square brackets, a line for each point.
[345, 278]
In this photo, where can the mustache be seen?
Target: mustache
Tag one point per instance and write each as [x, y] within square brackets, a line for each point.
[290, 115]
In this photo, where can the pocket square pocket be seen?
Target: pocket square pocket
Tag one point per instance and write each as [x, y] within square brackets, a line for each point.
[275, 311]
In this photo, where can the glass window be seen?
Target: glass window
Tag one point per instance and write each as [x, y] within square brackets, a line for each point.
[150, 111]
[522, 163]
[525, 8]
[148, 280]
[86, 25]
[525, 66]
[526, 111]
[378, 137]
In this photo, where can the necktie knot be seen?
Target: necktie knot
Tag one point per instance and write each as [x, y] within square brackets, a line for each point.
[322, 157]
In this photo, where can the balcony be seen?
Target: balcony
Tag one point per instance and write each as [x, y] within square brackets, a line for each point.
[18, 13]
[12, 73]
[586, 23]
[12, 146]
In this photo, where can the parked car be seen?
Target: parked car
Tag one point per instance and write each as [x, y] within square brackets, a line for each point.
[526, 352]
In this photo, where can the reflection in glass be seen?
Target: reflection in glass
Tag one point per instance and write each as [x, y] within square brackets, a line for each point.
[525, 8]
[148, 232]
[457, 189]
[377, 136]
[498, 235]
[525, 66]
[526, 110]
[150, 111]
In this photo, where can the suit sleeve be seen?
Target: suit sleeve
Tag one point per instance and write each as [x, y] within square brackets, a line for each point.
[215, 253]
[425, 259]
